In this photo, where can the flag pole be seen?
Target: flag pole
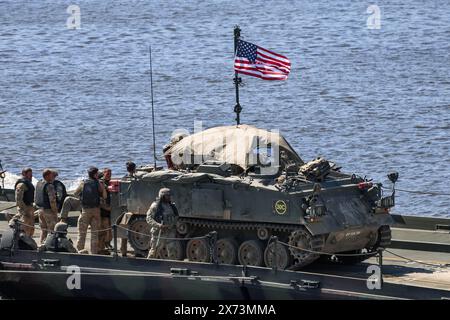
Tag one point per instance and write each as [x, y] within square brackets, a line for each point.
[237, 80]
[153, 110]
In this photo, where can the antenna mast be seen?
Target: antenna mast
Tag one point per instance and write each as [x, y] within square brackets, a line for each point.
[153, 109]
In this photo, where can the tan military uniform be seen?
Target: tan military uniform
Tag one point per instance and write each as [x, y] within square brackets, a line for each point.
[89, 217]
[48, 217]
[70, 204]
[24, 213]
[105, 237]
[169, 219]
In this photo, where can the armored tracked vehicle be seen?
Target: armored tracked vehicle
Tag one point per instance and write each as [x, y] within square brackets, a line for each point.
[248, 185]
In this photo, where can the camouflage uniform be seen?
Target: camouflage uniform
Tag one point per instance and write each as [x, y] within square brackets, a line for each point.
[168, 219]
[25, 213]
[57, 241]
[48, 217]
[88, 217]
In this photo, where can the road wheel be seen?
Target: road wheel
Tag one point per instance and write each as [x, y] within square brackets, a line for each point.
[251, 253]
[227, 249]
[139, 234]
[198, 250]
[177, 251]
[283, 256]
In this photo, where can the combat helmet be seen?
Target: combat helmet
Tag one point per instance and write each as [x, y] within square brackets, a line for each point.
[163, 192]
[61, 228]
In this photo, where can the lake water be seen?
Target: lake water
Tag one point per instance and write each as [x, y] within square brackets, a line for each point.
[371, 100]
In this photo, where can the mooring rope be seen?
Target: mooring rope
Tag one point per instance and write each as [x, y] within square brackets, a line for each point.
[368, 254]
[445, 265]
[329, 253]
[430, 193]
[69, 232]
[111, 228]
[163, 238]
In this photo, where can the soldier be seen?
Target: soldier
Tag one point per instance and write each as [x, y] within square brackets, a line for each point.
[162, 217]
[60, 188]
[90, 191]
[24, 200]
[57, 240]
[45, 198]
[131, 171]
[105, 237]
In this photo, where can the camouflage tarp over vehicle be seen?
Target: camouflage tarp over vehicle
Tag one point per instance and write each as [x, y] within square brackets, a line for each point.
[237, 145]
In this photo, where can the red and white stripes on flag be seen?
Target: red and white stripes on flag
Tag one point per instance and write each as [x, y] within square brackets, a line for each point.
[258, 62]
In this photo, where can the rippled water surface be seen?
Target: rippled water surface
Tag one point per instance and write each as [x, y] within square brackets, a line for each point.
[371, 100]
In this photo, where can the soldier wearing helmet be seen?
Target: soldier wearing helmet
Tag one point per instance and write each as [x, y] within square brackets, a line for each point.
[57, 241]
[162, 217]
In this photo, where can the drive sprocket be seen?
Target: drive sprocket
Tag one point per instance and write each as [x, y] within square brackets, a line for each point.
[302, 239]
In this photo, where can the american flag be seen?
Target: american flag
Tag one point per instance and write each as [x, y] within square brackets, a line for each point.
[258, 62]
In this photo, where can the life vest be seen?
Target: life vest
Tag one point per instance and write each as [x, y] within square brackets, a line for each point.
[28, 196]
[90, 195]
[61, 193]
[41, 196]
[160, 211]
